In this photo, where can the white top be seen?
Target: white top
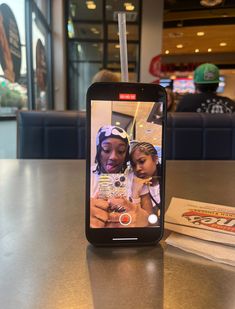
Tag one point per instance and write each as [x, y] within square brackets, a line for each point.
[155, 192]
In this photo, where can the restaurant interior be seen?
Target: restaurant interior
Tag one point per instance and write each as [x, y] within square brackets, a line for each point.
[50, 51]
[191, 33]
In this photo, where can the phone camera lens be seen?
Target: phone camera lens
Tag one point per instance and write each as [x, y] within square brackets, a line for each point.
[122, 178]
[117, 184]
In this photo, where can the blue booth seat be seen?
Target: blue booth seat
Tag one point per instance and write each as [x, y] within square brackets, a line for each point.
[51, 135]
[62, 135]
[200, 136]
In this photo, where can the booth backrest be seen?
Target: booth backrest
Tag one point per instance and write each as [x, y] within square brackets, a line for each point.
[200, 136]
[62, 135]
[51, 135]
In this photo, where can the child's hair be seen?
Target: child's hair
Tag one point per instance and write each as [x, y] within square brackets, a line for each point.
[146, 148]
[149, 150]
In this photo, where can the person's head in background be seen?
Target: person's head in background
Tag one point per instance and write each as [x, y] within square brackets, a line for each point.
[206, 78]
[170, 99]
[112, 149]
[105, 76]
[144, 160]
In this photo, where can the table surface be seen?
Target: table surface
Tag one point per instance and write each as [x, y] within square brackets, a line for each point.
[46, 261]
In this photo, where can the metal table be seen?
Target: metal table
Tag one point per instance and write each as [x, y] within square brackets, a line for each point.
[46, 262]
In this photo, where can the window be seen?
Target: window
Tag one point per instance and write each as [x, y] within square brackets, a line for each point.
[93, 43]
[39, 54]
[13, 71]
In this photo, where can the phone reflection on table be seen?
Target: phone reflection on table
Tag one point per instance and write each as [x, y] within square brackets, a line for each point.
[126, 277]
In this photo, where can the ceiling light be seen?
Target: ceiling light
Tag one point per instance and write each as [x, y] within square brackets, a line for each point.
[79, 48]
[94, 30]
[91, 5]
[223, 44]
[129, 6]
[126, 33]
[108, 7]
[117, 123]
[180, 24]
[117, 46]
[175, 34]
[210, 3]
[167, 51]
[209, 50]
[196, 50]
[179, 46]
[200, 33]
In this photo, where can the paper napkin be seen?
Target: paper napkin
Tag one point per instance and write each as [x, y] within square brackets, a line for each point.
[213, 251]
[206, 221]
[211, 227]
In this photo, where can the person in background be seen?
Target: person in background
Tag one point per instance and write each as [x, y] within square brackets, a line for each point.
[170, 99]
[205, 99]
[105, 76]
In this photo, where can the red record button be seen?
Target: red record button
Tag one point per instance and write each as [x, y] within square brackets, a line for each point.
[125, 219]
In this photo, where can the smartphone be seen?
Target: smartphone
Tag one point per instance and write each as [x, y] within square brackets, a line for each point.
[125, 166]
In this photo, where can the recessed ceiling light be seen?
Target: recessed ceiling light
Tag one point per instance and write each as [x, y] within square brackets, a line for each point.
[223, 44]
[167, 51]
[94, 30]
[179, 46]
[200, 33]
[126, 33]
[210, 3]
[91, 5]
[209, 50]
[175, 34]
[117, 123]
[79, 48]
[108, 7]
[196, 50]
[129, 6]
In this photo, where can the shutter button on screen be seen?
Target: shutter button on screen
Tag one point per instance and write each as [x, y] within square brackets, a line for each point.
[125, 219]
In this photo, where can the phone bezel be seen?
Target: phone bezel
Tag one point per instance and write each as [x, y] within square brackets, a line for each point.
[110, 92]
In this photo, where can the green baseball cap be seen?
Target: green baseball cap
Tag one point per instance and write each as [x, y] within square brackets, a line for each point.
[206, 73]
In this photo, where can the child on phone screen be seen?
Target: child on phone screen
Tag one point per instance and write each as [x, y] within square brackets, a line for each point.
[145, 164]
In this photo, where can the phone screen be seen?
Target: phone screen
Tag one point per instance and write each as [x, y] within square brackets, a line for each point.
[126, 163]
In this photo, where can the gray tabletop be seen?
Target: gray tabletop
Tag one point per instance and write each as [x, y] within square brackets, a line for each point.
[46, 262]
